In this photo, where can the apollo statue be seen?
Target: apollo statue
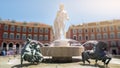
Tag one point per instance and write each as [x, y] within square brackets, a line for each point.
[59, 23]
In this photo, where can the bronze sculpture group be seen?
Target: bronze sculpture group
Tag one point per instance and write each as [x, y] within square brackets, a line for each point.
[31, 52]
[99, 52]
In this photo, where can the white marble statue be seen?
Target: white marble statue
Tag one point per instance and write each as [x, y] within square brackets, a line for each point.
[59, 23]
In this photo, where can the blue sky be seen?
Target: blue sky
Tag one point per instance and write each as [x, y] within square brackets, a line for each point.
[44, 11]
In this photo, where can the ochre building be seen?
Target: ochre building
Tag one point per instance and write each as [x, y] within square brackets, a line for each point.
[108, 31]
[13, 34]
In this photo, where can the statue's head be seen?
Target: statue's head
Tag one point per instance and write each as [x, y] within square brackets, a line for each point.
[61, 6]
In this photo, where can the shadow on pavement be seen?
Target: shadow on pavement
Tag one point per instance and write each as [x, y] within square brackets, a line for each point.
[94, 65]
[51, 61]
[23, 65]
[46, 61]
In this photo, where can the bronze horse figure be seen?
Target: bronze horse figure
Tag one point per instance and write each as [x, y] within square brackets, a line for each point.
[31, 51]
[98, 53]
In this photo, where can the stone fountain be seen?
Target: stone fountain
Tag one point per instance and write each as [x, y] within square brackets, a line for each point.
[62, 49]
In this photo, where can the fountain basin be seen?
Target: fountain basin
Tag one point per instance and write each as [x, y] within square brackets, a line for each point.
[62, 54]
[63, 50]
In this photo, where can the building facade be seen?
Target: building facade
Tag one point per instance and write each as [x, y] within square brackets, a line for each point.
[108, 31]
[13, 34]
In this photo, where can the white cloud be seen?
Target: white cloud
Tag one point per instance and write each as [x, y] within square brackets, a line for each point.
[101, 6]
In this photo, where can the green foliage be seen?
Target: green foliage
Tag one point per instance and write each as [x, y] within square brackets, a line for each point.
[24, 23]
[13, 21]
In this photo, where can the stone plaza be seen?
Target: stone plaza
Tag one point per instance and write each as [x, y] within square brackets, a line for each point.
[14, 62]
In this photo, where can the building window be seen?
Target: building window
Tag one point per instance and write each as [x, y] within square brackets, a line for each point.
[80, 30]
[74, 31]
[12, 28]
[46, 37]
[30, 36]
[98, 30]
[75, 37]
[40, 37]
[46, 30]
[118, 28]
[92, 30]
[35, 37]
[18, 29]
[86, 37]
[35, 30]
[118, 35]
[41, 30]
[29, 30]
[80, 37]
[112, 35]
[92, 36]
[113, 43]
[17, 36]
[11, 35]
[105, 36]
[86, 30]
[23, 36]
[6, 27]
[119, 43]
[111, 28]
[98, 36]
[24, 29]
[104, 29]
[5, 35]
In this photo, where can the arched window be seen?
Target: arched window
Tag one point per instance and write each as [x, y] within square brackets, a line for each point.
[10, 46]
[17, 46]
[4, 45]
